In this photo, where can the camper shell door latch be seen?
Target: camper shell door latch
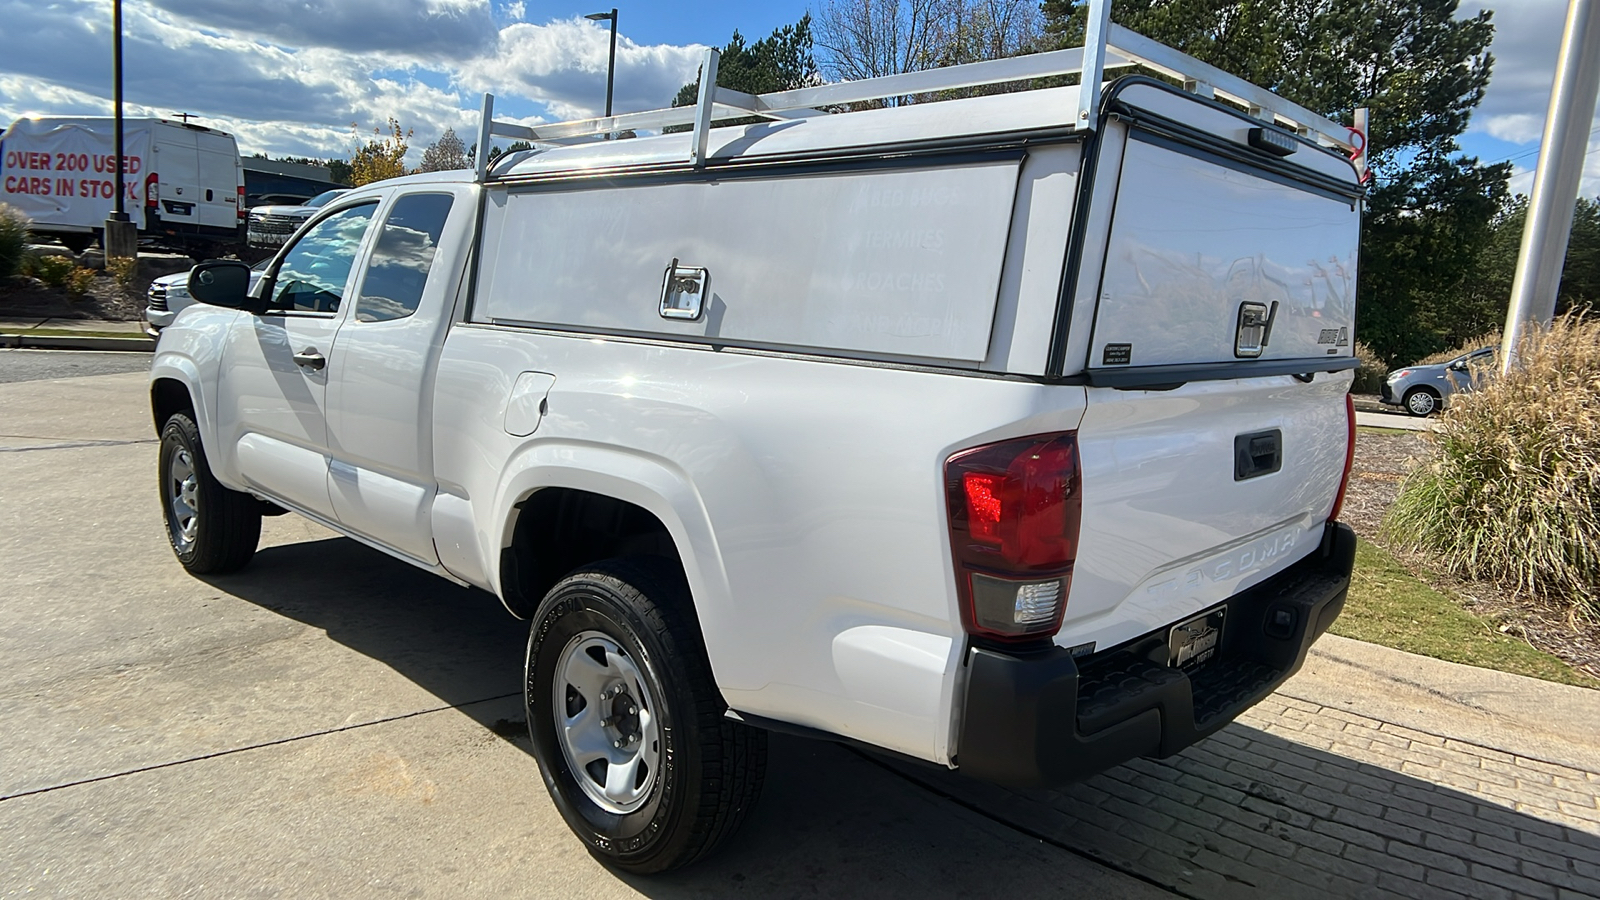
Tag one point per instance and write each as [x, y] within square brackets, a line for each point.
[683, 291]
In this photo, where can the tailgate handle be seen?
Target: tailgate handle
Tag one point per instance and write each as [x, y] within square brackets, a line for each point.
[1256, 454]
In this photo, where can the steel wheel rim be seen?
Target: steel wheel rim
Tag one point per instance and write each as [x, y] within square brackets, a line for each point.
[183, 504]
[1421, 403]
[605, 722]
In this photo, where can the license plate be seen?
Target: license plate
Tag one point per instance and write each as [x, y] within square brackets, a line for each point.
[1196, 641]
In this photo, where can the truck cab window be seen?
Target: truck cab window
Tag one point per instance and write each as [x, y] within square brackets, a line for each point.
[314, 271]
[398, 270]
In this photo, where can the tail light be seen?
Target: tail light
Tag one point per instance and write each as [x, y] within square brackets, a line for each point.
[238, 206]
[1015, 509]
[1349, 455]
[152, 190]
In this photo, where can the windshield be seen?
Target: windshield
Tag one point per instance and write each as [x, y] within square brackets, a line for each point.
[322, 198]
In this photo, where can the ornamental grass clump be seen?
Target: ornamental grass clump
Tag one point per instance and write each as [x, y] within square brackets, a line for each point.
[1369, 375]
[1511, 493]
[14, 239]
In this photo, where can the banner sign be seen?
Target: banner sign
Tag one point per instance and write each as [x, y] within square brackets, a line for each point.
[64, 171]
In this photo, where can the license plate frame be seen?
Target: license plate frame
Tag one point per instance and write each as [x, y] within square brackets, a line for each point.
[1195, 641]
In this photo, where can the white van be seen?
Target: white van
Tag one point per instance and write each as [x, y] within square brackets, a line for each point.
[183, 183]
[1008, 433]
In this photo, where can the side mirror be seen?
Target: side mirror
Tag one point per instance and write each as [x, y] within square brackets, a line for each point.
[223, 282]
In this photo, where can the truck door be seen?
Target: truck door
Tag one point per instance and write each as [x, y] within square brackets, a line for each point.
[276, 366]
[380, 398]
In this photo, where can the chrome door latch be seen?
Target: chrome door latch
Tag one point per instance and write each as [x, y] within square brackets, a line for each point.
[683, 291]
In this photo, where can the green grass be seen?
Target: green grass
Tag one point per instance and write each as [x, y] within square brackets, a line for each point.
[1390, 606]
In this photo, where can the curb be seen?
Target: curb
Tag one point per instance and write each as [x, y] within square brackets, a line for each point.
[135, 344]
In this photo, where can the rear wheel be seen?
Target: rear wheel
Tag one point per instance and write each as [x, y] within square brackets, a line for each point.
[213, 530]
[1421, 401]
[627, 725]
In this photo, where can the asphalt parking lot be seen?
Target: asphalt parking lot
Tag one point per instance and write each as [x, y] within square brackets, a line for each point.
[331, 723]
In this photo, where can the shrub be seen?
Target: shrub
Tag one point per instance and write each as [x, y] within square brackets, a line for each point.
[123, 269]
[1370, 374]
[1511, 492]
[80, 279]
[14, 237]
[53, 270]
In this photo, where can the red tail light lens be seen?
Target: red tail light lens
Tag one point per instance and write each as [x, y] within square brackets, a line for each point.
[238, 206]
[1015, 509]
[152, 189]
[1349, 456]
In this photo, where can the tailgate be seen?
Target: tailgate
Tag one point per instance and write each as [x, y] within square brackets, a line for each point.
[1215, 437]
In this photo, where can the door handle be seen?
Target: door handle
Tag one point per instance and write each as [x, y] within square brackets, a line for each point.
[310, 358]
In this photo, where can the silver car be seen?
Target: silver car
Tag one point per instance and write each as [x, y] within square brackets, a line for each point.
[169, 295]
[1424, 390]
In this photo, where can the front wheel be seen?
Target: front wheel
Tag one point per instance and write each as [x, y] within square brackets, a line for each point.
[627, 724]
[212, 529]
[1421, 402]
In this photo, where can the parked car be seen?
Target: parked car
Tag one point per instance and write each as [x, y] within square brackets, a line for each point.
[955, 429]
[169, 295]
[270, 226]
[1424, 390]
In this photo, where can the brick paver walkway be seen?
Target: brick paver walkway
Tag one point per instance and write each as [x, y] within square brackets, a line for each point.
[1301, 800]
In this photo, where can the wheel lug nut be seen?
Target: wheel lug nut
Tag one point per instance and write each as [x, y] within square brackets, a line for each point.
[633, 710]
[617, 744]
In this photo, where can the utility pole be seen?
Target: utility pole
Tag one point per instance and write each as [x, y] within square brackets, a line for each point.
[120, 237]
[1556, 179]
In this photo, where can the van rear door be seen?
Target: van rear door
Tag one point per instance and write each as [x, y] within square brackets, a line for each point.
[1220, 312]
[220, 177]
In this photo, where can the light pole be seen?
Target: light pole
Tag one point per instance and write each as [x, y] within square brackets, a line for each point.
[1556, 179]
[120, 238]
[611, 68]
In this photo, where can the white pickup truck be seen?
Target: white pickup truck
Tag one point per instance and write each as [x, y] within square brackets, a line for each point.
[1007, 433]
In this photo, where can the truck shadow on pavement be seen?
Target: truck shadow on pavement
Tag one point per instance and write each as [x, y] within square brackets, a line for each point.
[830, 821]
[1248, 812]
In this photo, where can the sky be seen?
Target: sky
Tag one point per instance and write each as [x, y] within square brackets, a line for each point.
[316, 77]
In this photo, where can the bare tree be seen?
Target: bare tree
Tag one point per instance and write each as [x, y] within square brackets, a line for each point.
[869, 38]
[448, 152]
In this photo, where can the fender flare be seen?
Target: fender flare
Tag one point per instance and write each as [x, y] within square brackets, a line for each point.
[171, 366]
[651, 483]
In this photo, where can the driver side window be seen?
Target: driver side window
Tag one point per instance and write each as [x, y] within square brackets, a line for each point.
[313, 274]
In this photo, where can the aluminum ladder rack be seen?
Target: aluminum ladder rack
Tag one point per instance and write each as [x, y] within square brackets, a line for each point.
[1108, 47]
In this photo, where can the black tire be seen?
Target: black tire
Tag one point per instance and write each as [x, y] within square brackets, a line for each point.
[226, 524]
[714, 766]
[1421, 401]
[76, 243]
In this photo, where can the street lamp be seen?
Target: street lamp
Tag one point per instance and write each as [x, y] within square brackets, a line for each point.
[611, 68]
[119, 237]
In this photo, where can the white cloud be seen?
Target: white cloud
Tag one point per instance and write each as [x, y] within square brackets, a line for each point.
[293, 79]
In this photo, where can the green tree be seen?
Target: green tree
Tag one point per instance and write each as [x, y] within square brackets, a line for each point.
[1484, 307]
[1422, 71]
[382, 157]
[781, 61]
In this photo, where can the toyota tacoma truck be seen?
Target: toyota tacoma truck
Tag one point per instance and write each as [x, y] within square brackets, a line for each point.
[1007, 433]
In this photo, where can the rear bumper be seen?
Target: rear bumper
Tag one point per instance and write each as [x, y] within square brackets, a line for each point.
[1047, 719]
